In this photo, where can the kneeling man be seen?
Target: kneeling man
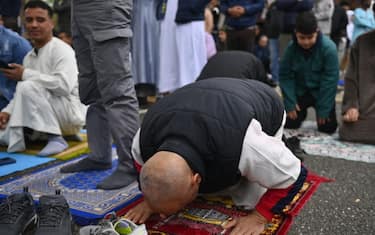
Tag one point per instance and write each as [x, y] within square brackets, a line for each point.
[221, 136]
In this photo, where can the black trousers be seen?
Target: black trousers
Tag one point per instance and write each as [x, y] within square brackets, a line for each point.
[242, 40]
[304, 102]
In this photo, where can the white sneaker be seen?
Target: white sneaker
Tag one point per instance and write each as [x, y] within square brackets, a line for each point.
[103, 228]
[117, 227]
[127, 227]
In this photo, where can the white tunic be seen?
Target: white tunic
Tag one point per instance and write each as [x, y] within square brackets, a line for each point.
[182, 51]
[46, 99]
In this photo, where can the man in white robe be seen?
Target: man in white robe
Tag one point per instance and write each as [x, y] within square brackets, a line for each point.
[46, 98]
[182, 45]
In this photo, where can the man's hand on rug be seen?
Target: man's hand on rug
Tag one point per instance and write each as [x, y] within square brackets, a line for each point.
[140, 213]
[4, 118]
[252, 224]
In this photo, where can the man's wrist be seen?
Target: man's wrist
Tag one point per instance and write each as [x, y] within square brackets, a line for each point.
[260, 218]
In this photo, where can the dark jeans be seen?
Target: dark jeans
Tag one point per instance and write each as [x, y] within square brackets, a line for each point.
[243, 40]
[3, 102]
[274, 53]
[305, 102]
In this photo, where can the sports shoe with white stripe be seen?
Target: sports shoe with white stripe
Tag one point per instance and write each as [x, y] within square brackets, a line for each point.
[17, 213]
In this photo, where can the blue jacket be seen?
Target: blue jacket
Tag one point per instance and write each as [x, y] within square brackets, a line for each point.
[187, 11]
[252, 9]
[291, 8]
[190, 10]
[13, 48]
[262, 53]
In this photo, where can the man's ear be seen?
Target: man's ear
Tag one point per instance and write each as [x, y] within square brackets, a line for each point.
[197, 178]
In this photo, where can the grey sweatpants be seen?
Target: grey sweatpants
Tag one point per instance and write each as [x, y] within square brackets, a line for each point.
[101, 32]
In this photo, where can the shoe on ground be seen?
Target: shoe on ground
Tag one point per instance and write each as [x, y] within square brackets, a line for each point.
[17, 213]
[127, 227]
[294, 144]
[54, 216]
[103, 228]
[114, 226]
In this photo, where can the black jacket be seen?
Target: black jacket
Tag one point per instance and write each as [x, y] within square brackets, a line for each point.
[339, 23]
[274, 22]
[205, 122]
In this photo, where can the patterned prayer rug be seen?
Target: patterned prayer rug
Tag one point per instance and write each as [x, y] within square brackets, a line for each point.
[205, 215]
[88, 204]
[318, 143]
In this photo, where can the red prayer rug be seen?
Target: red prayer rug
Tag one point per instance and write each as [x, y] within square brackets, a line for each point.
[205, 215]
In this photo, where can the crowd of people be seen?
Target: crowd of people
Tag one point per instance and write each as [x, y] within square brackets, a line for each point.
[218, 125]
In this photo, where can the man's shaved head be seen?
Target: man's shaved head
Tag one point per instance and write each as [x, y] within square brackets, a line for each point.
[168, 183]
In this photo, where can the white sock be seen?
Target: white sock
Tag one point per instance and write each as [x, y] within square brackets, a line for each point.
[55, 145]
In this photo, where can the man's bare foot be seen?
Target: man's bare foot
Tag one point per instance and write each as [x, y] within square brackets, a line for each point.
[140, 213]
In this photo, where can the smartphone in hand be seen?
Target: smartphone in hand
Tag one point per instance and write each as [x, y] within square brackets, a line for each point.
[4, 65]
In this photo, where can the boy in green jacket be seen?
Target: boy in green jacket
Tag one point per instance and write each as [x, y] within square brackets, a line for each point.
[309, 71]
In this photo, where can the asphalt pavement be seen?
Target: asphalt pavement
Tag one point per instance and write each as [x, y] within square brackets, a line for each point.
[345, 206]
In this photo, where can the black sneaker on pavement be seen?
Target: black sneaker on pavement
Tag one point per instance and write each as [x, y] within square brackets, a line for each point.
[17, 213]
[54, 216]
[294, 144]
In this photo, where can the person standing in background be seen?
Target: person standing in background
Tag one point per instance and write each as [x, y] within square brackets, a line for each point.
[363, 19]
[339, 24]
[338, 31]
[349, 13]
[323, 11]
[209, 26]
[273, 26]
[63, 9]
[182, 43]
[101, 37]
[241, 16]
[145, 42]
[10, 10]
[290, 10]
